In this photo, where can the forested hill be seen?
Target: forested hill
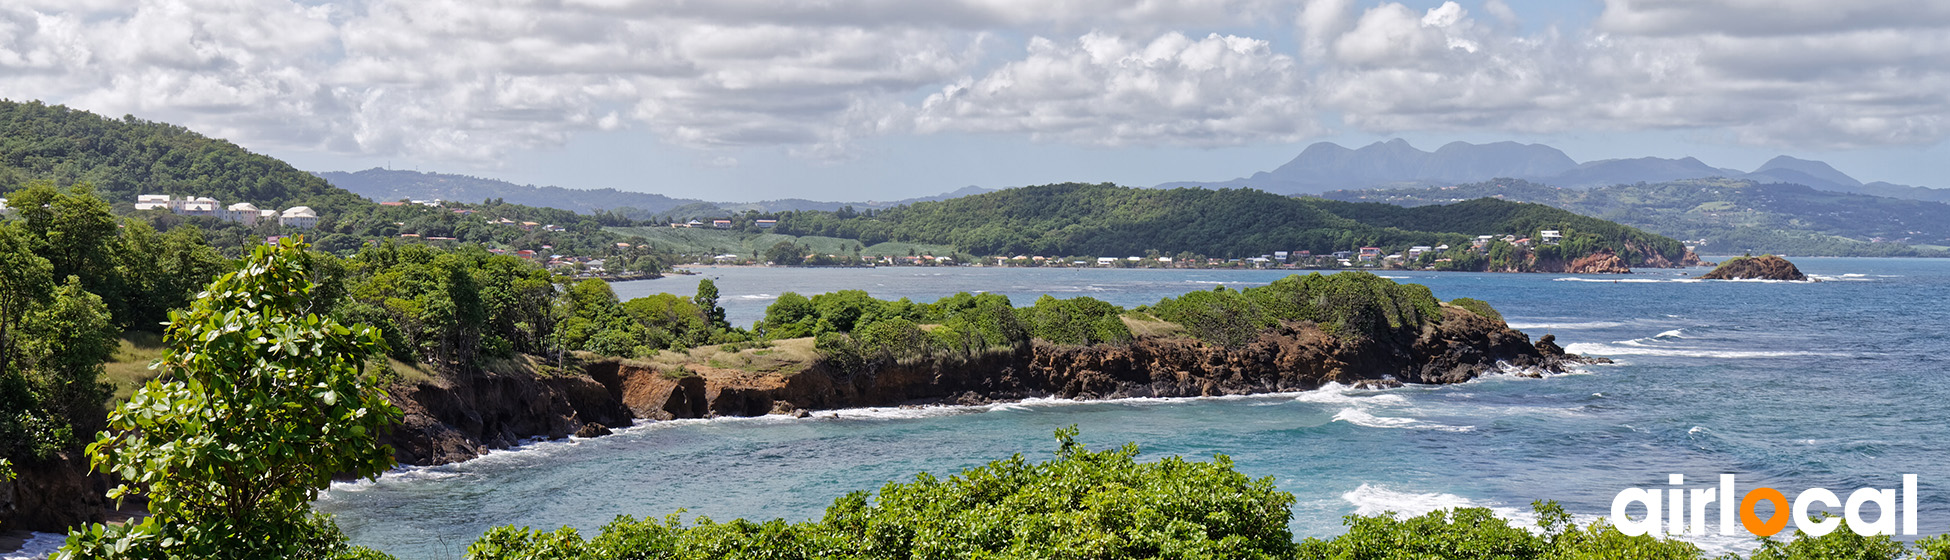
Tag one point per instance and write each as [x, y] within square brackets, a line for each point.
[1109, 220]
[126, 157]
[1728, 216]
[1491, 215]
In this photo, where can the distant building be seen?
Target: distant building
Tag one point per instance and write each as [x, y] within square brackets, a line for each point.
[1281, 255]
[4, 209]
[1106, 261]
[301, 217]
[1550, 236]
[721, 224]
[767, 224]
[242, 212]
[156, 202]
[200, 206]
[1370, 253]
[1416, 251]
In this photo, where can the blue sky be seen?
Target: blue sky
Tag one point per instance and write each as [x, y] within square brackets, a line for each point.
[884, 99]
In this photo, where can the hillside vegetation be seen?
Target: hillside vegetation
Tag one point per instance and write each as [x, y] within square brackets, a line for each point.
[1731, 216]
[125, 157]
[1109, 220]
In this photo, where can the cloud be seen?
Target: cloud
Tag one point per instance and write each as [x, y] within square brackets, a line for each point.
[476, 80]
[1107, 90]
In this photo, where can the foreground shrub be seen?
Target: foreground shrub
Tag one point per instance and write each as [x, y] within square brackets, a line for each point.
[1082, 504]
[259, 403]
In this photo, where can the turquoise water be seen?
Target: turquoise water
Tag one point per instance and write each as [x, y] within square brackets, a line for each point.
[1838, 384]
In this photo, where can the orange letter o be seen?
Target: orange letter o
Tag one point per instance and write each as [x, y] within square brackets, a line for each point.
[1775, 522]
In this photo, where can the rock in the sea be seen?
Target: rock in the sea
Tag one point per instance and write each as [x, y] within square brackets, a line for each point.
[592, 429]
[1764, 267]
[1602, 262]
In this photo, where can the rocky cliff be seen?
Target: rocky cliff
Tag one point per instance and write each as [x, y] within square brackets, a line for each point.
[1766, 267]
[461, 416]
[53, 495]
[1294, 357]
[1601, 262]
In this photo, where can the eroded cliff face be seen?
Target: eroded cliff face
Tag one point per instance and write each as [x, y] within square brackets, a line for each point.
[463, 416]
[460, 418]
[1295, 357]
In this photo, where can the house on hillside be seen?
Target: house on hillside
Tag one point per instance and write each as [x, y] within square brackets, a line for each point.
[301, 217]
[200, 206]
[1550, 236]
[157, 202]
[242, 212]
[1370, 253]
[767, 224]
[5, 211]
[721, 224]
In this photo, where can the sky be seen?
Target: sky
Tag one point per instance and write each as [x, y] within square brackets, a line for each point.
[741, 100]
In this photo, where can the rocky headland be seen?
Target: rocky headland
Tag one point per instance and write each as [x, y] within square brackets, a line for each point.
[460, 418]
[1764, 267]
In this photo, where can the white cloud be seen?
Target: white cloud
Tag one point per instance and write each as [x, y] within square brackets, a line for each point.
[479, 79]
[1107, 90]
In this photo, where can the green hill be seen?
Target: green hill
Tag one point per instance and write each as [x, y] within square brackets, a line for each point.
[126, 157]
[1109, 220]
[1729, 216]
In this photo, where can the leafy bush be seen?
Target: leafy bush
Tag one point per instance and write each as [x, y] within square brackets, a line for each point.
[1076, 321]
[1349, 304]
[1083, 504]
[259, 404]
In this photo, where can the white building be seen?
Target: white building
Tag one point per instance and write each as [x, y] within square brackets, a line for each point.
[301, 217]
[1551, 236]
[157, 202]
[242, 212]
[4, 209]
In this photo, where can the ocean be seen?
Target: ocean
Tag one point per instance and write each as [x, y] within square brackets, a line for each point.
[1836, 384]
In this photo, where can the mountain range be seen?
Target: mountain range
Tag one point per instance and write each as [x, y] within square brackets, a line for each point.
[387, 185]
[1326, 166]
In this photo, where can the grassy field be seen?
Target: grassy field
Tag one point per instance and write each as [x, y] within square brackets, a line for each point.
[130, 367]
[782, 357]
[752, 245]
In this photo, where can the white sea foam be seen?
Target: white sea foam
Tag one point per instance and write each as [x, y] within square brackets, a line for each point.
[1336, 393]
[1628, 348]
[1371, 499]
[40, 545]
[1675, 333]
[1362, 418]
[1618, 280]
[1567, 326]
[758, 297]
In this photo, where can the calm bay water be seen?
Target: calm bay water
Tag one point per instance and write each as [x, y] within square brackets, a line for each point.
[1839, 384]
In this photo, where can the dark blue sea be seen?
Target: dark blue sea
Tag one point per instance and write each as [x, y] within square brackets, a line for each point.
[1839, 384]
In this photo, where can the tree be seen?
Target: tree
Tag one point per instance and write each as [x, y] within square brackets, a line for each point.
[260, 401]
[67, 341]
[707, 300]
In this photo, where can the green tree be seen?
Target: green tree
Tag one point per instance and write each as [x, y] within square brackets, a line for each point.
[707, 300]
[67, 341]
[259, 403]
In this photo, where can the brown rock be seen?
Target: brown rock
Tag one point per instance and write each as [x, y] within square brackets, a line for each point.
[1765, 267]
[1602, 262]
[593, 429]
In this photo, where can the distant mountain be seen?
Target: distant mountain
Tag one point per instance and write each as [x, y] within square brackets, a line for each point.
[1724, 216]
[1327, 166]
[388, 185]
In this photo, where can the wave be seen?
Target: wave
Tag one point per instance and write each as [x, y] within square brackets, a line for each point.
[1369, 499]
[1566, 326]
[757, 297]
[38, 546]
[1629, 348]
[1624, 280]
[1336, 393]
[1361, 418]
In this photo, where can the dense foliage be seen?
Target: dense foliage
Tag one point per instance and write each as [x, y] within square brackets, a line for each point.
[260, 403]
[1078, 219]
[126, 157]
[1349, 304]
[1082, 504]
[1109, 505]
[853, 329]
[1731, 216]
